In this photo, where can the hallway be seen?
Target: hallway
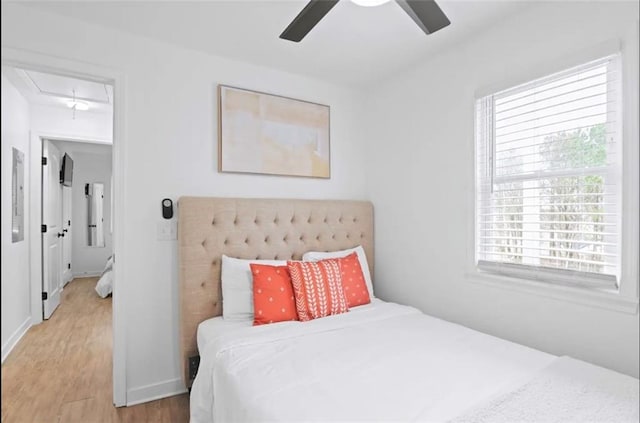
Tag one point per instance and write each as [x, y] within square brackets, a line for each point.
[61, 370]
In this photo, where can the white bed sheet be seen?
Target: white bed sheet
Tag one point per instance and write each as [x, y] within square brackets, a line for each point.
[104, 287]
[381, 362]
[568, 390]
[213, 328]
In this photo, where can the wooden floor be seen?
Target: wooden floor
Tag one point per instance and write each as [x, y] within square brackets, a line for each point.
[61, 369]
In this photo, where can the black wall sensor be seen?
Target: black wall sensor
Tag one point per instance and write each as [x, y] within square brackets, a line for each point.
[167, 208]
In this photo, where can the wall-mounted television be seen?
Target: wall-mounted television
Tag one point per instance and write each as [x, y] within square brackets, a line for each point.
[66, 173]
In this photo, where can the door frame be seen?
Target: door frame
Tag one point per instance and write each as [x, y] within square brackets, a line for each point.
[44, 63]
[67, 244]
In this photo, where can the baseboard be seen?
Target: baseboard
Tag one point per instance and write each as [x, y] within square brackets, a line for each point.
[15, 337]
[155, 391]
[87, 274]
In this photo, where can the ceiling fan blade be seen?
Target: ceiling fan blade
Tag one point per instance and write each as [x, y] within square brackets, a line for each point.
[426, 13]
[307, 19]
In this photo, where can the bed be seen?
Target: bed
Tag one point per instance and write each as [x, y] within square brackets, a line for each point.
[104, 286]
[378, 362]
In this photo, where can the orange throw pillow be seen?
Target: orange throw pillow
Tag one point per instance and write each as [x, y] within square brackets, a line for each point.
[273, 299]
[355, 288]
[317, 287]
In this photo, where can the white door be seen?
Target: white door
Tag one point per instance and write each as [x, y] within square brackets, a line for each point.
[67, 273]
[52, 236]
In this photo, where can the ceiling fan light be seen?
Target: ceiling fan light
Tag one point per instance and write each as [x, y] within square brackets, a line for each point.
[369, 3]
[78, 105]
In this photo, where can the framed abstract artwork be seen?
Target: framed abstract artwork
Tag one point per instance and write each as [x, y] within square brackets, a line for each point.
[270, 134]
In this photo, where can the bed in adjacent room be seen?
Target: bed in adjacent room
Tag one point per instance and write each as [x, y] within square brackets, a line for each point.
[378, 361]
[104, 287]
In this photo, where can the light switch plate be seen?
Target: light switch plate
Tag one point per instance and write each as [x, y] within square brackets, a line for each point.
[167, 230]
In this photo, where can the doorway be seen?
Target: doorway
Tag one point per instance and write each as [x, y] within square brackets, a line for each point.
[66, 112]
[28, 60]
[77, 238]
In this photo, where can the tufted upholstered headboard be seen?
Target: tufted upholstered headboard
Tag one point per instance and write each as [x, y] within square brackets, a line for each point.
[254, 229]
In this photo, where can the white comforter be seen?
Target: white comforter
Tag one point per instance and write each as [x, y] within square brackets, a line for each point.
[381, 362]
[104, 287]
[566, 391]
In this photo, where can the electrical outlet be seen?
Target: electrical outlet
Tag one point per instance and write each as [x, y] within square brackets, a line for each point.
[194, 363]
[167, 230]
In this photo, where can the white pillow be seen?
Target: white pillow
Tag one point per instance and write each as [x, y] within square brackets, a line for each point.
[237, 287]
[318, 255]
[104, 287]
[109, 265]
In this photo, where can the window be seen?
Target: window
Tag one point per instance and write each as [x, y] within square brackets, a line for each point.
[549, 180]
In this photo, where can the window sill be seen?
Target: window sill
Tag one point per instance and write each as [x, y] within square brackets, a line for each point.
[605, 299]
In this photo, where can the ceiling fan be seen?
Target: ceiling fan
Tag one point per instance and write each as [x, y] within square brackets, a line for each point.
[425, 13]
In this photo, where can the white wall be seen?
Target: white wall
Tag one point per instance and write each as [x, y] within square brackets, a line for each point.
[59, 122]
[171, 150]
[420, 170]
[16, 312]
[88, 167]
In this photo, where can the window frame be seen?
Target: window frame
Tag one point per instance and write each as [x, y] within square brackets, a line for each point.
[490, 170]
[624, 298]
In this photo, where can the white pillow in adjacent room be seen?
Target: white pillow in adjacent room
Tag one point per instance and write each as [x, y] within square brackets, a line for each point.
[237, 287]
[104, 287]
[320, 255]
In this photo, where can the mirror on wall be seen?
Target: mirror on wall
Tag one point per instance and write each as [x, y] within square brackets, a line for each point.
[17, 197]
[95, 214]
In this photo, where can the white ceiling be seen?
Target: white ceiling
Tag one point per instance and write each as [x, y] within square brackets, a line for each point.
[60, 86]
[352, 44]
[55, 90]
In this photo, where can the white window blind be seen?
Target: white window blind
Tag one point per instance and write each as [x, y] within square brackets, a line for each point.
[548, 195]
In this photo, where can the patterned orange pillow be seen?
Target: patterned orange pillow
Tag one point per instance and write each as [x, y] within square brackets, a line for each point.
[317, 286]
[355, 288]
[273, 299]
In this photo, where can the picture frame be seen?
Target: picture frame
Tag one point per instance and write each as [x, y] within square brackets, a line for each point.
[262, 133]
